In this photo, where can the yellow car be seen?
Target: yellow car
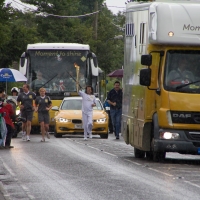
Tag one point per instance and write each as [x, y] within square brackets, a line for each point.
[68, 118]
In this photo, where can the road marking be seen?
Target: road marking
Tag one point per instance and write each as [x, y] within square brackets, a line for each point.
[9, 169]
[94, 148]
[155, 170]
[110, 154]
[133, 162]
[193, 184]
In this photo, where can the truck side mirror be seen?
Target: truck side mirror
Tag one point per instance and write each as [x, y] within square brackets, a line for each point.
[146, 60]
[145, 77]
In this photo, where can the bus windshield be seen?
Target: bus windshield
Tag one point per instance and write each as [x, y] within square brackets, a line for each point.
[182, 71]
[55, 69]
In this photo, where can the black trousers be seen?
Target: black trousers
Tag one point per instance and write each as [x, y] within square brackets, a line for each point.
[9, 135]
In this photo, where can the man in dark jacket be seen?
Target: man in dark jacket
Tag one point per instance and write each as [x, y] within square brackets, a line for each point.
[114, 98]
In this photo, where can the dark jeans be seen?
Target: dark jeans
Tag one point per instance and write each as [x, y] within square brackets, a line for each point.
[9, 135]
[116, 115]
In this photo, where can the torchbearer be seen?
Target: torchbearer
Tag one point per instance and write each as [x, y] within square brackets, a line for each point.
[88, 102]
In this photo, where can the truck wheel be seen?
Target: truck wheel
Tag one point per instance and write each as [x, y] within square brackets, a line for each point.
[149, 155]
[139, 153]
[157, 156]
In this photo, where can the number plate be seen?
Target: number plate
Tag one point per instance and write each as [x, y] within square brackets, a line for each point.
[78, 126]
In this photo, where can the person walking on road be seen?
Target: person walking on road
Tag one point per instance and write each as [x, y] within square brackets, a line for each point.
[88, 102]
[114, 98]
[25, 102]
[43, 105]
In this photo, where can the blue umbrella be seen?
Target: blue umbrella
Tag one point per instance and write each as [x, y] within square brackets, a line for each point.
[11, 75]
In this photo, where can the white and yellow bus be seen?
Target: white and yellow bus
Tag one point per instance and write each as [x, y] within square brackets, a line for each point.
[57, 63]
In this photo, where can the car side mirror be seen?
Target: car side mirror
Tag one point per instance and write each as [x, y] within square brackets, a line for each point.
[55, 108]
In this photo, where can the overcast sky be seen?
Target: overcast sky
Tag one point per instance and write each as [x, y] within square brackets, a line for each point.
[116, 5]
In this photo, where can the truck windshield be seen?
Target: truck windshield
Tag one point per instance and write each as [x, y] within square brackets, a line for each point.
[182, 71]
[55, 71]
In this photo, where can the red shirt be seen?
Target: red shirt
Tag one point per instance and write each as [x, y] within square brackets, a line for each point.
[7, 108]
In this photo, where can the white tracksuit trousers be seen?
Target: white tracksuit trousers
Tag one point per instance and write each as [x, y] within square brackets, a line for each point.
[87, 123]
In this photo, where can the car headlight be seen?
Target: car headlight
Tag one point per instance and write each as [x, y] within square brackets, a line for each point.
[64, 120]
[102, 120]
[168, 135]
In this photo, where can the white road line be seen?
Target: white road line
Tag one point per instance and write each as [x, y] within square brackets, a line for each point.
[93, 148]
[193, 184]
[155, 170]
[133, 162]
[9, 169]
[110, 154]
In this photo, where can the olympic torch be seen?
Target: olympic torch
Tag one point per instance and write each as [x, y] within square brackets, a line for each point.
[77, 76]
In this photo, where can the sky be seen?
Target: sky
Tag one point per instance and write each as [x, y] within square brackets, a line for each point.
[116, 5]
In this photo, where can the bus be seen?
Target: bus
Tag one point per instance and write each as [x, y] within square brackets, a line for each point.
[56, 67]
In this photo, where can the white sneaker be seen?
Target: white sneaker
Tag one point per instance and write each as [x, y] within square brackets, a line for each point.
[85, 138]
[23, 136]
[90, 136]
[28, 138]
[48, 135]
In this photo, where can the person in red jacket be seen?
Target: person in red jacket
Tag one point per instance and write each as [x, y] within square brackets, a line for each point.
[7, 112]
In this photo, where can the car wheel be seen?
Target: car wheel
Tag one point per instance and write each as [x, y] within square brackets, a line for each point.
[57, 135]
[104, 136]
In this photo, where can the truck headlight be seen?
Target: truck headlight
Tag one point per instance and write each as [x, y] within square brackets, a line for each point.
[102, 120]
[64, 120]
[169, 136]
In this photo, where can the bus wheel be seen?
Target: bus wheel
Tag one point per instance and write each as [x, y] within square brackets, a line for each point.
[139, 153]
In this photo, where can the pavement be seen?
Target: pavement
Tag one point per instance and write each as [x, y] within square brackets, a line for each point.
[3, 177]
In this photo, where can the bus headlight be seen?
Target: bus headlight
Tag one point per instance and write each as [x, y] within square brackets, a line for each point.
[64, 120]
[169, 136]
[102, 120]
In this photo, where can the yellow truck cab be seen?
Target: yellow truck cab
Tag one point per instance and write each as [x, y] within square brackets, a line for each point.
[161, 95]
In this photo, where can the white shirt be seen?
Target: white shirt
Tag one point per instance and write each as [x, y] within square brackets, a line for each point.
[87, 102]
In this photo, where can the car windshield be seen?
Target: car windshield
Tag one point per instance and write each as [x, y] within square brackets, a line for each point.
[76, 104]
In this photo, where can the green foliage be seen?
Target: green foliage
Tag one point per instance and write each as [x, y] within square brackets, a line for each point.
[18, 29]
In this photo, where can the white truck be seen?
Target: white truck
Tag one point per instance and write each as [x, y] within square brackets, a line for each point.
[161, 112]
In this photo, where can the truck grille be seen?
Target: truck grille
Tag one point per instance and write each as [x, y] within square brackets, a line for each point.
[193, 135]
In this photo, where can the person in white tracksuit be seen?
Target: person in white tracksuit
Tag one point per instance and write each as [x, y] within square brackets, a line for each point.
[88, 102]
